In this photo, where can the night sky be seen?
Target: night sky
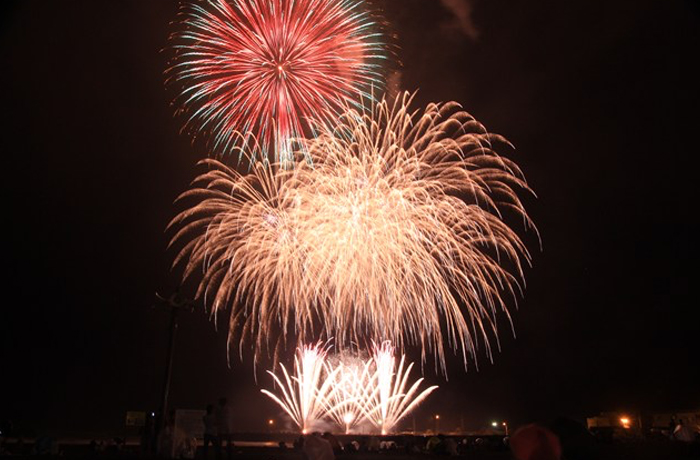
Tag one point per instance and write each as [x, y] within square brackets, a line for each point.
[600, 99]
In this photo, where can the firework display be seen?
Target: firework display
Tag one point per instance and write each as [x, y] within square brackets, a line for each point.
[359, 395]
[348, 405]
[355, 219]
[394, 399]
[394, 230]
[305, 395]
[265, 67]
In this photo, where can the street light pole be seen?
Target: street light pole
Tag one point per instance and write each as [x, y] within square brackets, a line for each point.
[175, 302]
[174, 310]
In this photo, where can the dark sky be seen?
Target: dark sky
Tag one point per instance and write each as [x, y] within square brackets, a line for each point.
[600, 99]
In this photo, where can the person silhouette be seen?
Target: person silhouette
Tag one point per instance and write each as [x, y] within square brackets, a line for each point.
[223, 425]
[683, 433]
[210, 431]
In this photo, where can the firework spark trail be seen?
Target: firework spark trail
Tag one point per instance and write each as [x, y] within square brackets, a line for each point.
[355, 390]
[394, 230]
[265, 66]
[349, 393]
[400, 223]
[248, 249]
[392, 402]
[305, 394]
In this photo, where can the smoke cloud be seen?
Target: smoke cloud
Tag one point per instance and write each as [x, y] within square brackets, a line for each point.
[462, 11]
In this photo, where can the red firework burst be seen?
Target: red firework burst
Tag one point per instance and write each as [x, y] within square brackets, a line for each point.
[265, 67]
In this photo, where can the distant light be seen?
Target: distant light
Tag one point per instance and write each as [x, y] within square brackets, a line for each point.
[494, 424]
[437, 417]
[270, 422]
[504, 423]
[625, 422]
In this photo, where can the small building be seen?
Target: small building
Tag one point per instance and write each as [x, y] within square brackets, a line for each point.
[626, 425]
[620, 420]
[615, 425]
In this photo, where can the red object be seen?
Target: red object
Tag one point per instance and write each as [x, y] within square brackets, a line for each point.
[533, 442]
[265, 67]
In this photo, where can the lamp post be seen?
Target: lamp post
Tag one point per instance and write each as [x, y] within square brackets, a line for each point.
[504, 425]
[175, 302]
[437, 423]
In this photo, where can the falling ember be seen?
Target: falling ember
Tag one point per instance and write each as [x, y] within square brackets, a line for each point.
[395, 230]
[266, 66]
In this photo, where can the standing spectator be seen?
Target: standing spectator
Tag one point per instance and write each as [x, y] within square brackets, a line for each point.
[337, 448]
[167, 438]
[210, 431]
[451, 446]
[672, 426]
[299, 444]
[373, 444]
[223, 425]
[683, 433]
[148, 435]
